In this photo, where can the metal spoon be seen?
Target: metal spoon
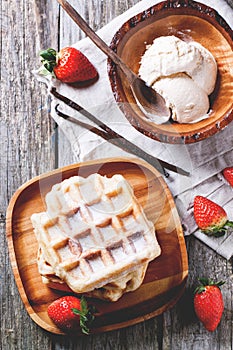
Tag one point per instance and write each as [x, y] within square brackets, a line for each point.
[150, 102]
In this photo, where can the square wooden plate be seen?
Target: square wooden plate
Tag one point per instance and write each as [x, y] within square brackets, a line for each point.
[165, 278]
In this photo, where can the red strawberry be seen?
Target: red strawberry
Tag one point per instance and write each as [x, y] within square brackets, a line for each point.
[69, 65]
[70, 313]
[210, 217]
[228, 174]
[208, 303]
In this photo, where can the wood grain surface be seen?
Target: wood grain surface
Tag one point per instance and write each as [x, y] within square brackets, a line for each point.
[32, 145]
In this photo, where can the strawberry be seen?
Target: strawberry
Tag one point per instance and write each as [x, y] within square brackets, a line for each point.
[228, 174]
[69, 65]
[208, 303]
[210, 217]
[70, 313]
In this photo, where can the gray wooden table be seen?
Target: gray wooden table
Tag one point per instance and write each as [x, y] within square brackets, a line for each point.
[31, 144]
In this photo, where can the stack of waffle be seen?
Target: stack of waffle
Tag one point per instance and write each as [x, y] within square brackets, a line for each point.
[94, 238]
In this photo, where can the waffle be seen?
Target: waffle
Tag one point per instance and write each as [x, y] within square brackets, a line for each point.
[95, 233]
[111, 292]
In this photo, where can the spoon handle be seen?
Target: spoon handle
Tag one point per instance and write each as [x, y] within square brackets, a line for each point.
[97, 40]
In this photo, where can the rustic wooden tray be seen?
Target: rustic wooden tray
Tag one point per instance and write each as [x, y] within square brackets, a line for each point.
[165, 278]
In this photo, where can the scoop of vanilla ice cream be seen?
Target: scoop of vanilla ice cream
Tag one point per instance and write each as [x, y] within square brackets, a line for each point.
[174, 89]
[170, 56]
[205, 74]
[166, 56]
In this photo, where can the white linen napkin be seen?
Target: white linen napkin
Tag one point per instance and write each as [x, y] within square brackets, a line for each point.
[205, 160]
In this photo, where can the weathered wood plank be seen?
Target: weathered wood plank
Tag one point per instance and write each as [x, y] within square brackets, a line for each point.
[182, 330]
[27, 148]
[139, 337]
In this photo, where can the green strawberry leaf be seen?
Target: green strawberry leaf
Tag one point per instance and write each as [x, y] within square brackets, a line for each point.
[215, 231]
[86, 315]
[229, 223]
[206, 282]
[220, 283]
[49, 61]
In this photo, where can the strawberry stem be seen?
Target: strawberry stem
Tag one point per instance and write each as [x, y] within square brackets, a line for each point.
[229, 223]
[86, 316]
[218, 231]
[49, 61]
[206, 282]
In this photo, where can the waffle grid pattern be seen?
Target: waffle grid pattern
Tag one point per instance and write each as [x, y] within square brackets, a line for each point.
[94, 231]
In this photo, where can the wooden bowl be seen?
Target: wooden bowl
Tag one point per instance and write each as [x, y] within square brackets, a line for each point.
[184, 19]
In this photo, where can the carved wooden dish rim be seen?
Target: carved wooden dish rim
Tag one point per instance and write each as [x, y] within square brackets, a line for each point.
[177, 133]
